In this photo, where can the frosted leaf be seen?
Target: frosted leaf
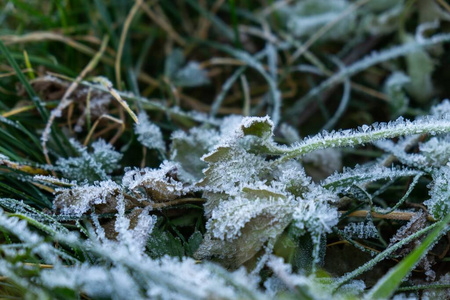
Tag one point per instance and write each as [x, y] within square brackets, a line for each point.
[420, 68]
[238, 228]
[232, 163]
[231, 216]
[188, 148]
[90, 166]
[149, 134]
[439, 203]
[436, 151]
[155, 184]
[393, 87]
[290, 177]
[191, 75]
[230, 169]
[261, 127]
[361, 230]
[79, 199]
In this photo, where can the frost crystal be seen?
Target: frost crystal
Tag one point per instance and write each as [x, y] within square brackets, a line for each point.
[231, 216]
[90, 166]
[361, 230]
[439, 204]
[436, 151]
[155, 184]
[80, 199]
[317, 217]
[149, 134]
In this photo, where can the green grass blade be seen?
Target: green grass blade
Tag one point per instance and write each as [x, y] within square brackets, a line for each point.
[34, 97]
[387, 285]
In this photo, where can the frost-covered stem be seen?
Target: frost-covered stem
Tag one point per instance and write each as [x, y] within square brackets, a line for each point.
[354, 243]
[383, 255]
[265, 257]
[424, 287]
[403, 199]
[370, 134]
[229, 84]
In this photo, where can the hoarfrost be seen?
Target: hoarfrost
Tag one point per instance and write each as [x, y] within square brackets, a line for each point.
[79, 199]
[90, 166]
[231, 216]
[149, 134]
[361, 230]
[439, 203]
[155, 184]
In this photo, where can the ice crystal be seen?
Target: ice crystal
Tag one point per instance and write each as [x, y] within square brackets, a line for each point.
[439, 203]
[155, 184]
[90, 166]
[80, 199]
[360, 175]
[231, 216]
[318, 217]
[361, 230]
[436, 151]
[149, 134]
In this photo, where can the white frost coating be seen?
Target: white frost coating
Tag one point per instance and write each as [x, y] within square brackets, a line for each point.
[284, 278]
[149, 134]
[91, 166]
[133, 238]
[436, 151]
[229, 126]
[340, 182]
[157, 182]
[439, 203]
[315, 216]
[441, 109]
[236, 169]
[361, 230]
[231, 216]
[374, 132]
[249, 121]
[78, 200]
